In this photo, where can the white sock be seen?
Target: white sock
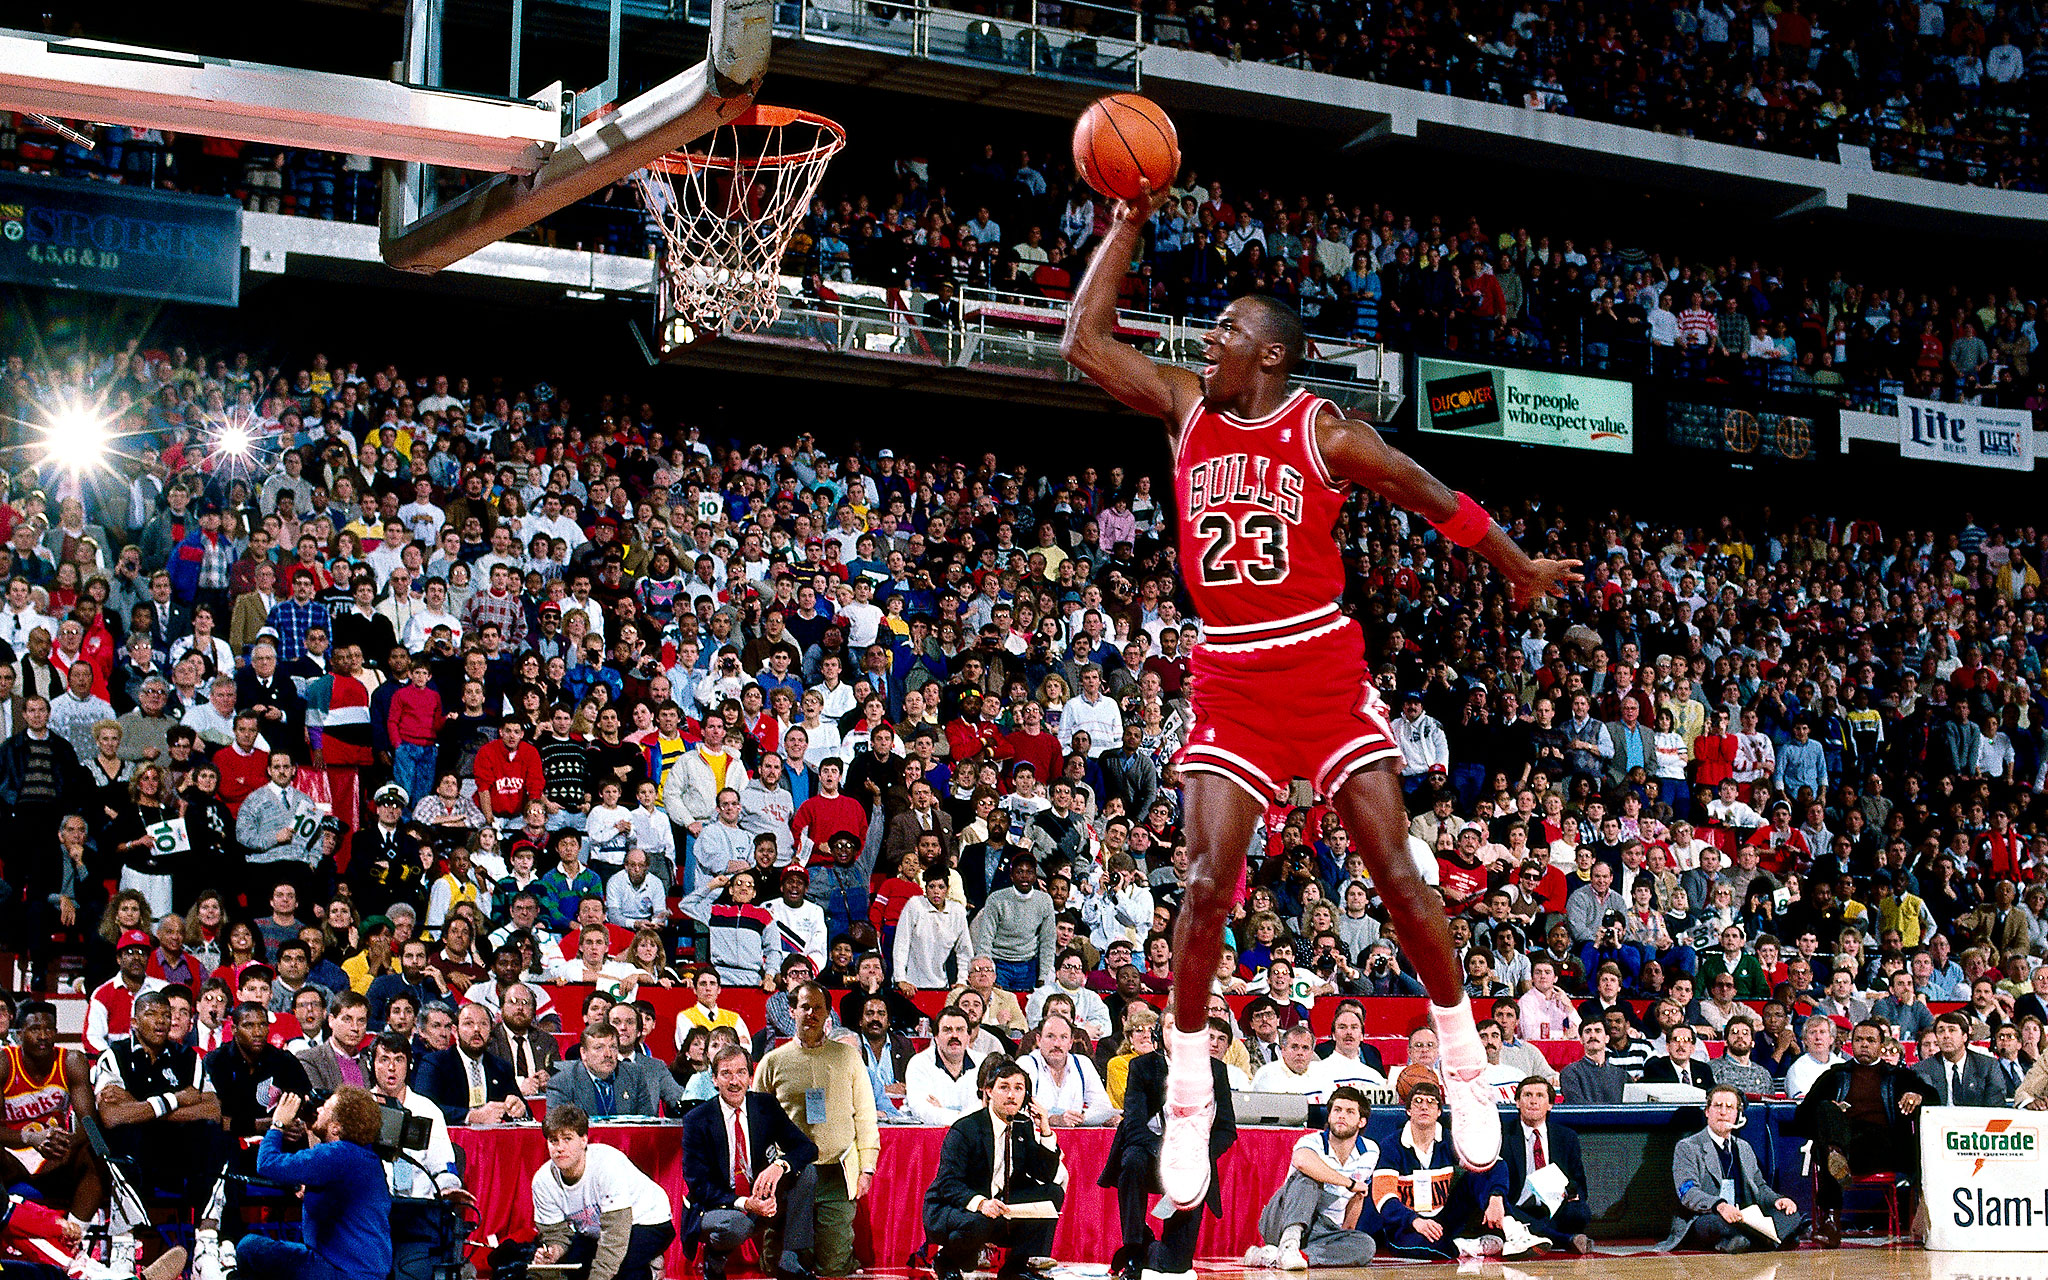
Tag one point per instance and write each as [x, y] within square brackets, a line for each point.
[1291, 1238]
[1458, 1037]
[1187, 1061]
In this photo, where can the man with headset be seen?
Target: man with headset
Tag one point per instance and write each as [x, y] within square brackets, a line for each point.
[428, 1177]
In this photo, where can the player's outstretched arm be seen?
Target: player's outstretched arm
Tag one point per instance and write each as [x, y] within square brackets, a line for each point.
[1355, 452]
[1089, 342]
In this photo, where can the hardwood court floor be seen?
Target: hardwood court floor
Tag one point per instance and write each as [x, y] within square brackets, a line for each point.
[1853, 1262]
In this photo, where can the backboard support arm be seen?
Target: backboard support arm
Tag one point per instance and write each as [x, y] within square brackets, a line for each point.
[595, 155]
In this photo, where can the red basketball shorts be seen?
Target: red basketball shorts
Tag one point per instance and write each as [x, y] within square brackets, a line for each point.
[1269, 712]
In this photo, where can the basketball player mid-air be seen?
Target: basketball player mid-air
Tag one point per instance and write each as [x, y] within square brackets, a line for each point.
[1281, 685]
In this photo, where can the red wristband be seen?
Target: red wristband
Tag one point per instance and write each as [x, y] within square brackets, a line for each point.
[1469, 525]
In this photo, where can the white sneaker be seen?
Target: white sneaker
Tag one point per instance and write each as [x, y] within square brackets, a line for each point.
[121, 1254]
[1475, 1120]
[85, 1267]
[230, 1263]
[1478, 1247]
[207, 1263]
[1293, 1260]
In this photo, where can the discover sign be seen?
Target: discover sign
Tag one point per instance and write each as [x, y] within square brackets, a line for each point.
[1525, 406]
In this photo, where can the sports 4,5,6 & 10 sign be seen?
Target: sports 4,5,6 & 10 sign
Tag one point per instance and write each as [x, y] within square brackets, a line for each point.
[1972, 434]
[1986, 1179]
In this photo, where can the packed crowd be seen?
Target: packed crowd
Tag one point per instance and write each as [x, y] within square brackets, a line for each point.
[368, 708]
[1355, 269]
[1946, 89]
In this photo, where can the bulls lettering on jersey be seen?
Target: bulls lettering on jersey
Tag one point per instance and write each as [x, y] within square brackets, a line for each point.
[1258, 513]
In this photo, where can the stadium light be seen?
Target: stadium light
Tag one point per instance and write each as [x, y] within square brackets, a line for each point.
[76, 440]
[234, 441]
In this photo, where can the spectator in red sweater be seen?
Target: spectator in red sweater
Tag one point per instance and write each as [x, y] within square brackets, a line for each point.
[244, 764]
[1713, 754]
[827, 813]
[414, 729]
[507, 772]
[1033, 744]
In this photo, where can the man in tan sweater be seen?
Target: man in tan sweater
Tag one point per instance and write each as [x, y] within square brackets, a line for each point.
[824, 1087]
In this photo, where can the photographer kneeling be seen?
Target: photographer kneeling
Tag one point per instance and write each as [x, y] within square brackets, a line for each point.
[346, 1219]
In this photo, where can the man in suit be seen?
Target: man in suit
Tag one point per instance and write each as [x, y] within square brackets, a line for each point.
[983, 866]
[531, 1051]
[922, 816]
[1680, 1063]
[343, 1058]
[470, 1084]
[1717, 1176]
[767, 1189]
[993, 1160]
[1957, 1077]
[1530, 1142]
[1132, 1167]
[603, 1086]
[1859, 1114]
[262, 687]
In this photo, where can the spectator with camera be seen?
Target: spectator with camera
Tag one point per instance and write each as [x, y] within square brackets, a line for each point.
[346, 1204]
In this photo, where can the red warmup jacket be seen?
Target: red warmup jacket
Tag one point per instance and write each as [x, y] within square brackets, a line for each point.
[240, 775]
[415, 716]
[507, 781]
[1713, 759]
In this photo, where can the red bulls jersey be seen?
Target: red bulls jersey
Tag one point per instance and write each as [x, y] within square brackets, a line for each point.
[1258, 510]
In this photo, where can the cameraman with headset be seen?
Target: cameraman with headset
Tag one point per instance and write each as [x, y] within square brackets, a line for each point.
[346, 1218]
[422, 1185]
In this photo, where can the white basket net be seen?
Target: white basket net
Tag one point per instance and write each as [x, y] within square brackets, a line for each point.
[726, 210]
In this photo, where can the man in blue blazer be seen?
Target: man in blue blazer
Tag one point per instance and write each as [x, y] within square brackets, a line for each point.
[770, 1190]
[1529, 1141]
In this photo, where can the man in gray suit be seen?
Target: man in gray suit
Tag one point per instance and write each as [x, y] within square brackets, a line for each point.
[348, 1041]
[604, 1086]
[1634, 745]
[1717, 1177]
[1957, 1077]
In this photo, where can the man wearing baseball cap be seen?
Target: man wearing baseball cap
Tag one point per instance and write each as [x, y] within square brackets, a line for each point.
[799, 922]
[107, 1013]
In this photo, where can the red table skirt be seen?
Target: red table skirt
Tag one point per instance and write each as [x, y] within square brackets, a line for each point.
[502, 1159]
[501, 1162]
[893, 1224]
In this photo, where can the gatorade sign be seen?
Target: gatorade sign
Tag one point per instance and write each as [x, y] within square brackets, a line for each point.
[1985, 1179]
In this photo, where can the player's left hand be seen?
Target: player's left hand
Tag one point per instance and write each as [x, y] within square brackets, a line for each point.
[1545, 578]
[1495, 1214]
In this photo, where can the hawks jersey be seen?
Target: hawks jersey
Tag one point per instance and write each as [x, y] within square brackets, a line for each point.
[1258, 512]
[29, 1103]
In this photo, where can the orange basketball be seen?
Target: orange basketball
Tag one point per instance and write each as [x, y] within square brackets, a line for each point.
[1410, 1076]
[1122, 138]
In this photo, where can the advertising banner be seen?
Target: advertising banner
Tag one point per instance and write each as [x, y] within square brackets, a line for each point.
[1526, 406]
[56, 233]
[1985, 1179]
[1970, 434]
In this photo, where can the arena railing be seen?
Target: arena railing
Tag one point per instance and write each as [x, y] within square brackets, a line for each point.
[1062, 39]
[999, 332]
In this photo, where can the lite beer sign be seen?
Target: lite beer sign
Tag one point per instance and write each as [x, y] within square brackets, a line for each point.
[1963, 433]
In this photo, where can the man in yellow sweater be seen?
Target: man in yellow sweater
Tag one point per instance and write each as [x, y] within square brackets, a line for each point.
[824, 1087]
